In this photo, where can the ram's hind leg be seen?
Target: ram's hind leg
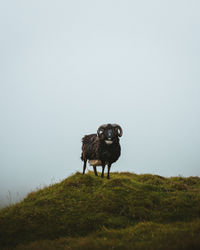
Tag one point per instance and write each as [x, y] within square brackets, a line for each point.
[95, 170]
[84, 165]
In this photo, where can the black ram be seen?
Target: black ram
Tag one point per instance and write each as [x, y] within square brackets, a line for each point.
[103, 148]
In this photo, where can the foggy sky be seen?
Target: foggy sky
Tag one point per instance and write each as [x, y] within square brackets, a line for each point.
[67, 67]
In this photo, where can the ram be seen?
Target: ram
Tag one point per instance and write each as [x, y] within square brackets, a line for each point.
[103, 148]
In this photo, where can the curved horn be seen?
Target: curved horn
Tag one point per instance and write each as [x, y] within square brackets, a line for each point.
[120, 129]
[101, 128]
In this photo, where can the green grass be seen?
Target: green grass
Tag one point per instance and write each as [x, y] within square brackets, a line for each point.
[128, 211]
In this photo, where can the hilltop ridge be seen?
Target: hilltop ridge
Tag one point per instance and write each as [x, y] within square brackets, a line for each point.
[129, 211]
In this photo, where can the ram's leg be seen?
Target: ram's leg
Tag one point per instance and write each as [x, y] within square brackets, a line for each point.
[108, 174]
[103, 167]
[95, 170]
[84, 166]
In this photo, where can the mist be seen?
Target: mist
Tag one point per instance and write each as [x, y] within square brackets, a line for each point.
[68, 67]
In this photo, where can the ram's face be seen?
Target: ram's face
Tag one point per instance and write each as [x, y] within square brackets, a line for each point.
[109, 133]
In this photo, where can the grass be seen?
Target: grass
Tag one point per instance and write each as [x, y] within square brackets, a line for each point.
[128, 211]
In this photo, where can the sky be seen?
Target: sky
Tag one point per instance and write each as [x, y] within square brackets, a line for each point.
[66, 67]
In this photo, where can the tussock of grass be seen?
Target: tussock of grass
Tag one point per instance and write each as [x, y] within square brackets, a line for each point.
[144, 235]
[128, 211]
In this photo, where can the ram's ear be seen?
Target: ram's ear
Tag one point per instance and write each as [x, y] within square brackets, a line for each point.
[101, 130]
[119, 129]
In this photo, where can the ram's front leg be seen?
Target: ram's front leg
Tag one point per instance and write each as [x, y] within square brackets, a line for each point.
[103, 167]
[108, 174]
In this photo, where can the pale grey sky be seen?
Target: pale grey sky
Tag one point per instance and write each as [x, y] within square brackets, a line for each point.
[67, 67]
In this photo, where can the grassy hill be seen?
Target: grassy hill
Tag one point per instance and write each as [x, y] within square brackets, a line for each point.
[128, 211]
